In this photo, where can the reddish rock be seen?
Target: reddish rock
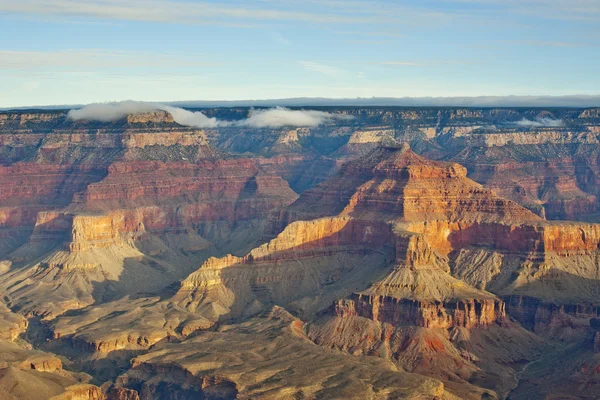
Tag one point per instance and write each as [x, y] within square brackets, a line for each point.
[398, 312]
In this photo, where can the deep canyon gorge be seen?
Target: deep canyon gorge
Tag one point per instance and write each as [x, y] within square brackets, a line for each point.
[389, 252]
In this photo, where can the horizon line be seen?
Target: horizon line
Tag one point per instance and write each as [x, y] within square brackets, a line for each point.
[482, 101]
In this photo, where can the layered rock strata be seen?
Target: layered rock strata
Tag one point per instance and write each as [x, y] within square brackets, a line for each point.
[120, 208]
[30, 375]
[274, 343]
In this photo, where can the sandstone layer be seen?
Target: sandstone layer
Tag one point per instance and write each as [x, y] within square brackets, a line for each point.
[92, 212]
[158, 258]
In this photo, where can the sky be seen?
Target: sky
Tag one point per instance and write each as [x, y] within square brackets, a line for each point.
[82, 51]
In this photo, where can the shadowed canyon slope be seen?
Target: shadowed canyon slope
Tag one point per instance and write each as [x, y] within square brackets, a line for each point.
[419, 253]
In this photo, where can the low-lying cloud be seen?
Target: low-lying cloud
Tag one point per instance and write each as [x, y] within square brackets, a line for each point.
[280, 116]
[541, 122]
[107, 112]
[191, 118]
[269, 118]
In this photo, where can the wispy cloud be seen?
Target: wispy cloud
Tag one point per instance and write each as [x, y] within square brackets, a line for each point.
[328, 70]
[276, 117]
[172, 11]
[369, 41]
[553, 44]
[401, 63]
[388, 34]
[541, 122]
[240, 13]
[19, 60]
[106, 112]
[421, 63]
[280, 116]
[581, 10]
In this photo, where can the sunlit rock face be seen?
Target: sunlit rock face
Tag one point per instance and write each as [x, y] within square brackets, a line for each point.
[445, 223]
[420, 259]
[467, 314]
[95, 211]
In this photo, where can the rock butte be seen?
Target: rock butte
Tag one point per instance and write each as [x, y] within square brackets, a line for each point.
[164, 260]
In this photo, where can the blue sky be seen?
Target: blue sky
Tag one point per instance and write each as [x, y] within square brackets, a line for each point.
[80, 51]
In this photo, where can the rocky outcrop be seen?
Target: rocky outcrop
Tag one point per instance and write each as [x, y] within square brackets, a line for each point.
[397, 312]
[11, 325]
[418, 313]
[457, 217]
[47, 159]
[50, 276]
[420, 292]
[31, 188]
[552, 170]
[307, 258]
[30, 374]
[568, 371]
[110, 201]
[120, 393]
[393, 183]
[153, 117]
[396, 256]
[407, 186]
[458, 356]
[81, 392]
[310, 371]
[126, 325]
[371, 135]
[228, 189]
[546, 318]
[141, 140]
[80, 232]
[303, 259]
[330, 198]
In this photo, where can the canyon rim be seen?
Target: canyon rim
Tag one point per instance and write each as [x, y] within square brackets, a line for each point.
[299, 200]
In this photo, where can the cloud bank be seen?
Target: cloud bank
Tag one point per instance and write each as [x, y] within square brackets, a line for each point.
[270, 118]
[280, 116]
[107, 112]
[541, 122]
[189, 118]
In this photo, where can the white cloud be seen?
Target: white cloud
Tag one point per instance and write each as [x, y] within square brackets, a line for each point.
[553, 44]
[280, 116]
[541, 122]
[389, 34]
[106, 112]
[422, 63]
[189, 118]
[90, 58]
[551, 9]
[402, 63]
[328, 70]
[269, 118]
[172, 11]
